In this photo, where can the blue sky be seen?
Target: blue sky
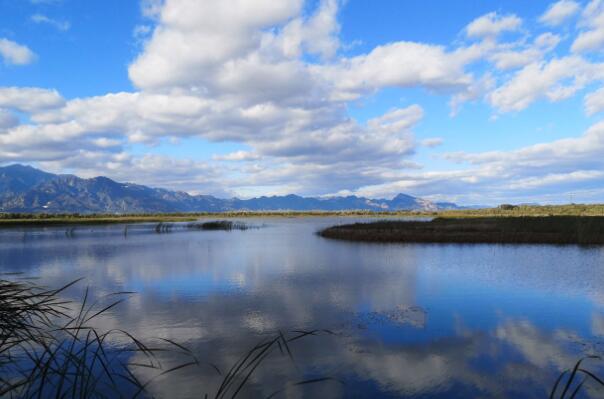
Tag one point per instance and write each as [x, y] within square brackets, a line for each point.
[474, 102]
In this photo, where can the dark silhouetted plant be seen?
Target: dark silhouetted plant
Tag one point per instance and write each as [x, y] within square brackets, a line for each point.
[49, 349]
[570, 382]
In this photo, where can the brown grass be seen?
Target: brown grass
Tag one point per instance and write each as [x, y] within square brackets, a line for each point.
[585, 230]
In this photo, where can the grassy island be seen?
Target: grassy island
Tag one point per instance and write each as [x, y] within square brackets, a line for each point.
[585, 230]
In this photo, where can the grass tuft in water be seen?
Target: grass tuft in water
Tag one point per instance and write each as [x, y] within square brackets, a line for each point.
[571, 382]
[226, 225]
[49, 349]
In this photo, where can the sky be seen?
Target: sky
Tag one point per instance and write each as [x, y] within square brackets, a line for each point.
[474, 102]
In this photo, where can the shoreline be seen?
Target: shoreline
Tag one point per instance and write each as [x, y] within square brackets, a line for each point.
[41, 219]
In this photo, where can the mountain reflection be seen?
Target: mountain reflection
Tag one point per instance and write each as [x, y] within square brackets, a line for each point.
[407, 320]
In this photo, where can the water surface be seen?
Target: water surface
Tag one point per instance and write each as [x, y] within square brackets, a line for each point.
[403, 320]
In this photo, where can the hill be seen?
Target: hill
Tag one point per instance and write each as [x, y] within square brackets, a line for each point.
[24, 189]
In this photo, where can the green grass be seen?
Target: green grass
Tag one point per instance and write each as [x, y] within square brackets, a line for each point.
[584, 230]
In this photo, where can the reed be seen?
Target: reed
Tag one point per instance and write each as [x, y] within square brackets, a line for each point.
[506, 210]
[49, 349]
[570, 382]
[584, 230]
[225, 225]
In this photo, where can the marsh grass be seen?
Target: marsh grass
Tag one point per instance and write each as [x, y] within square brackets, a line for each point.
[43, 219]
[240, 373]
[225, 225]
[570, 382]
[50, 349]
[585, 230]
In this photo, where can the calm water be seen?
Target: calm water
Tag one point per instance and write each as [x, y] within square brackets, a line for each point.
[416, 321]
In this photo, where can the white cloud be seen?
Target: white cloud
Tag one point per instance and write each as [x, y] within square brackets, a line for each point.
[591, 38]
[15, 53]
[493, 24]
[559, 12]
[594, 102]
[315, 35]
[237, 156]
[587, 147]
[43, 19]
[7, 119]
[478, 89]
[512, 58]
[555, 80]
[270, 76]
[549, 171]
[400, 64]
[588, 41]
[29, 99]
[196, 42]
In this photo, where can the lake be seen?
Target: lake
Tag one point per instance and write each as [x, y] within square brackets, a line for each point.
[391, 320]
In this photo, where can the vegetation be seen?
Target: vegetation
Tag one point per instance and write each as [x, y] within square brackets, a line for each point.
[49, 349]
[528, 210]
[41, 219]
[535, 230]
[569, 383]
[226, 225]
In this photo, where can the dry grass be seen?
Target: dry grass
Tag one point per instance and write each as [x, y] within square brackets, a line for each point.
[534, 230]
[39, 219]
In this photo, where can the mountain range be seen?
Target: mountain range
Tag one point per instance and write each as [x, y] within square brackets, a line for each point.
[29, 190]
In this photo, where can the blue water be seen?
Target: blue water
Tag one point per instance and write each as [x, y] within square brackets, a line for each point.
[404, 320]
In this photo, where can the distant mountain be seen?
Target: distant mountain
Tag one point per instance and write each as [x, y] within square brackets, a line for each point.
[26, 189]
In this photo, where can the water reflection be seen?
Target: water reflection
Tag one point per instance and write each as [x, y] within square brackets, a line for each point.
[408, 320]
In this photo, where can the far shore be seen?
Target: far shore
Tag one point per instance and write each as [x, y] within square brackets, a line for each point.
[583, 230]
[47, 219]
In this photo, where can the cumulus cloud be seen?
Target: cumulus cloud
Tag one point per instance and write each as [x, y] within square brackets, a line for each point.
[591, 38]
[7, 119]
[401, 64]
[512, 58]
[559, 12]
[196, 40]
[15, 54]
[257, 89]
[271, 77]
[316, 35]
[555, 80]
[29, 99]
[549, 170]
[493, 24]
